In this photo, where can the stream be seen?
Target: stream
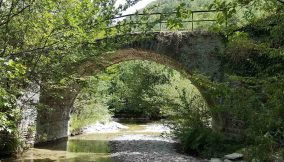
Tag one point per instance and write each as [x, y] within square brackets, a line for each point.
[137, 143]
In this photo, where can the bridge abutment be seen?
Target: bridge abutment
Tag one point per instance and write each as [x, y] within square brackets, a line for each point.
[54, 114]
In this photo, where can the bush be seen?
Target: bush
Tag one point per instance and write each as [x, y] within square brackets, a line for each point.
[207, 143]
[255, 102]
[9, 117]
[88, 110]
[9, 143]
[85, 115]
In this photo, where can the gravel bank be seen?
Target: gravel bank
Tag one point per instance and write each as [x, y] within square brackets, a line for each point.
[156, 127]
[104, 127]
[146, 148]
[99, 127]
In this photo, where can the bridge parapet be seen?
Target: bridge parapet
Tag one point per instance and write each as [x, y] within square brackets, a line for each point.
[190, 20]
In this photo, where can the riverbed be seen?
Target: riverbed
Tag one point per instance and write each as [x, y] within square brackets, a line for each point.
[137, 142]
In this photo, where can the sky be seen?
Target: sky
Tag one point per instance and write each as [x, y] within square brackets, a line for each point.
[138, 6]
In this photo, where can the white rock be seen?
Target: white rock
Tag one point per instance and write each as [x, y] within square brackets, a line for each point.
[215, 160]
[226, 160]
[234, 156]
[138, 137]
[104, 127]
[156, 127]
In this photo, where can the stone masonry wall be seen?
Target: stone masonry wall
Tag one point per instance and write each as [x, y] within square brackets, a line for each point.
[54, 114]
[196, 51]
[27, 126]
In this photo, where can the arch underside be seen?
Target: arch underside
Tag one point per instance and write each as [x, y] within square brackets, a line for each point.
[93, 67]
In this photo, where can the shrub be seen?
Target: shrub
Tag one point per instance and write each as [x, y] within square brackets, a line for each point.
[207, 143]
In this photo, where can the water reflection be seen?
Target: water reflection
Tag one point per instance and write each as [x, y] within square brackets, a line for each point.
[82, 148]
[86, 158]
[88, 146]
[71, 150]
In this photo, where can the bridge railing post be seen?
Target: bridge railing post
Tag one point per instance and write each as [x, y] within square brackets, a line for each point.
[130, 23]
[192, 21]
[226, 21]
[106, 35]
[160, 21]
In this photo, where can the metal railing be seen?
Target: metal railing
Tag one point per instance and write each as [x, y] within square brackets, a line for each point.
[157, 22]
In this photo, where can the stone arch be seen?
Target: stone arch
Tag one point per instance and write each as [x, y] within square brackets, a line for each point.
[182, 54]
[96, 65]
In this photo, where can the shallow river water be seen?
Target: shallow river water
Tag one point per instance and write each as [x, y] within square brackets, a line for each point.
[86, 147]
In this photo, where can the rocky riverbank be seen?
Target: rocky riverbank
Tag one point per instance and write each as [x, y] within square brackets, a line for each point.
[146, 148]
[140, 145]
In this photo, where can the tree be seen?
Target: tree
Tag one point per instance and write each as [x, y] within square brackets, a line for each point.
[39, 40]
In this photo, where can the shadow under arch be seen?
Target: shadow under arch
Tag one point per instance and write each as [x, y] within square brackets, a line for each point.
[185, 57]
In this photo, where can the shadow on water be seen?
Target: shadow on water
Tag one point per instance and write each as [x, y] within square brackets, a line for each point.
[59, 145]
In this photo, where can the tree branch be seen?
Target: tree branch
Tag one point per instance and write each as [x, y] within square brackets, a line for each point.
[15, 14]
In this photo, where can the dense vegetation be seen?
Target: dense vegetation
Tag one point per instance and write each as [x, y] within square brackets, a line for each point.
[253, 66]
[39, 40]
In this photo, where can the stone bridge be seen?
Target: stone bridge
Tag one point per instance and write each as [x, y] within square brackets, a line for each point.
[186, 52]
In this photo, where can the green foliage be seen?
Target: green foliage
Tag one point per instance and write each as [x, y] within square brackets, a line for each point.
[89, 108]
[255, 55]
[144, 89]
[9, 117]
[257, 104]
[133, 88]
[172, 5]
[239, 13]
[248, 57]
[40, 40]
[183, 10]
[207, 143]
